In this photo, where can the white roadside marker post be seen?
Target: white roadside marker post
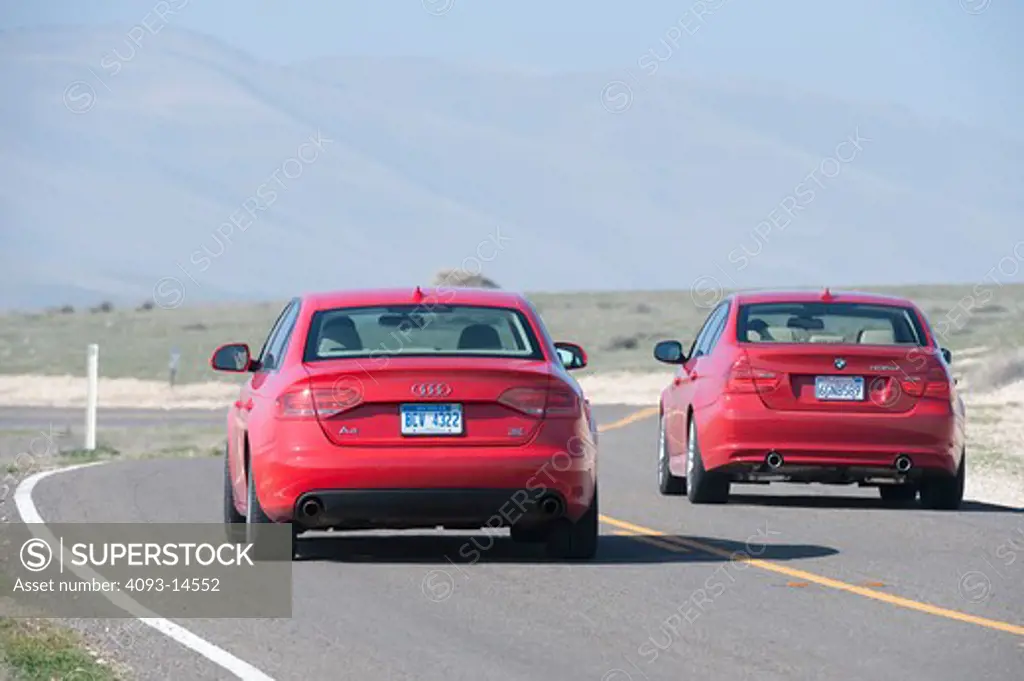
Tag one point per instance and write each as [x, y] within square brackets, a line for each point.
[92, 383]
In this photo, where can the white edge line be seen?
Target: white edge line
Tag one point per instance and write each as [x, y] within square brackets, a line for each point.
[220, 657]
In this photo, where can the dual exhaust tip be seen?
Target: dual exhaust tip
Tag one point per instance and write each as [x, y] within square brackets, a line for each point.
[311, 508]
[551, 506]
[773, 461]
[903, 463]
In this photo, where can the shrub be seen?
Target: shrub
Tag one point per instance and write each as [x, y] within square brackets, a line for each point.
[462, 279]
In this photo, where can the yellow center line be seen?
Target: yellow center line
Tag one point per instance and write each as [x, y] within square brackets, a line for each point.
[632, 418]
[819, 579]
[660, 543]
[648, 535]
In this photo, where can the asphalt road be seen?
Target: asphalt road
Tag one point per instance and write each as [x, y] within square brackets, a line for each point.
[837, 587]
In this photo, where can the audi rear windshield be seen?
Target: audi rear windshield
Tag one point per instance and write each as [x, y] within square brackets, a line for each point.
[818, 322]
[421, 331]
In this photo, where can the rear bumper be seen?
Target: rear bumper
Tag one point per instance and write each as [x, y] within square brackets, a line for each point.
[372, 487]
[419, 508]
[737, 438]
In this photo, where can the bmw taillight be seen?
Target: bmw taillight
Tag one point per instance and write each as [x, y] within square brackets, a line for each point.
[305, 402]
[934, 384]
[554, 402]
[744, 378]
[938, 385]
[912, 385]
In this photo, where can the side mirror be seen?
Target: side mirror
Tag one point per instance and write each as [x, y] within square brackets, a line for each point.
[670, 352]
[571, 355]
[233, 357]
[947, 355]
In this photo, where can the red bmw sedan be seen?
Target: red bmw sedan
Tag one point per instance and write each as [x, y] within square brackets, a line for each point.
[812, 387]
[405, 409]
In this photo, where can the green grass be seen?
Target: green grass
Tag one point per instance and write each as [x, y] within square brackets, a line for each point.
[618, 330]
[36, 650]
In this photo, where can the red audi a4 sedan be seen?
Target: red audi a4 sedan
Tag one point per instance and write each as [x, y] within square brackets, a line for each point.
[405, 409]
[812, 387]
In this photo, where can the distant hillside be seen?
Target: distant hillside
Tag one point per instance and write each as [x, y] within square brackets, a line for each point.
[423, 165]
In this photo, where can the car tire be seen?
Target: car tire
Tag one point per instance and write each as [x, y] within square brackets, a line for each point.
[702, 487]
[897, 494]
[234, 522]
[668, 484]
[947, 492]
[569, 540]
[256, 519]
[527, 534]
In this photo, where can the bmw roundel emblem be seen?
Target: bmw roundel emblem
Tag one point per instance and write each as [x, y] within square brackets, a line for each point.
[840, 363]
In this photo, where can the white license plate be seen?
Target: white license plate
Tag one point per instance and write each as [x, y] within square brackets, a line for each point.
[839, 388]
[431, 419]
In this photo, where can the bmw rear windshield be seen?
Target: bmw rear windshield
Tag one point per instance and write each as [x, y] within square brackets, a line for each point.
[421, 331]
[819, 322]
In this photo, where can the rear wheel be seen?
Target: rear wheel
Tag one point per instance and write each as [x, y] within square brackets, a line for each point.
[898, 494]
[945, 493]
[668, 484]
[702, 487]
[255, 522]
[234, 522]
[526, 534]
[575, 540]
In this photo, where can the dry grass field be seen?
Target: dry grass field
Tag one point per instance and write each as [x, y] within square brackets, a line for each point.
[618, 330]
[42, 361]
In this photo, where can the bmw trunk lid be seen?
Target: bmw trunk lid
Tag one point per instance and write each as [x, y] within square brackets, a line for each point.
[844, 377]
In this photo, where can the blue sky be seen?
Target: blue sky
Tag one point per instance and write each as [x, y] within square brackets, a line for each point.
[932, 56]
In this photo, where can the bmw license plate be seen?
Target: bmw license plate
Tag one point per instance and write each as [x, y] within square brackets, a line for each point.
[431, 419]
[839, 388]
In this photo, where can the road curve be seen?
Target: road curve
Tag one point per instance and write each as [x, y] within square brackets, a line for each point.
[783, 583]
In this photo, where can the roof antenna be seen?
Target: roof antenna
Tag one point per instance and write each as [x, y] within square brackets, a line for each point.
[417, 295]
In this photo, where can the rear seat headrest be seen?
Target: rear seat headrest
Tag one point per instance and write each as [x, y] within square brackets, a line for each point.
[876, 337]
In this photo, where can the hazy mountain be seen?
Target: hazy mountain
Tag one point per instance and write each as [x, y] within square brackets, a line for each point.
[424, 165]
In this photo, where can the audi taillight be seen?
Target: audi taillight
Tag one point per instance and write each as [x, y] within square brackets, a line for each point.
[744, 378]
[562, 403]
[305, 402]
[553, 402]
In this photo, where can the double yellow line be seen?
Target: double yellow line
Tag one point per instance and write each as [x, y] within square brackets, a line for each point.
[683, 545]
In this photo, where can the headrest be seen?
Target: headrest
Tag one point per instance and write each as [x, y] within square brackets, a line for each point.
[876, 337]
[780, 334]
[479, 337]
[339, 333]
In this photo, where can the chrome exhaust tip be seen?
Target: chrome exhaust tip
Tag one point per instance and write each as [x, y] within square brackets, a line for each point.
[773, 461]
[311, 508]
[903, 463]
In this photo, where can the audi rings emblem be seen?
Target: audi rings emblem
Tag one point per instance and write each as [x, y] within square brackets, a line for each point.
[431, 390]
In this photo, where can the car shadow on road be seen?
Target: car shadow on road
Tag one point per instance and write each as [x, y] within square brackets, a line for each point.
[833, 501]
[456, 550]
